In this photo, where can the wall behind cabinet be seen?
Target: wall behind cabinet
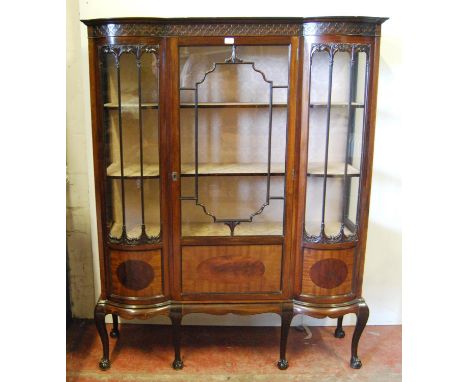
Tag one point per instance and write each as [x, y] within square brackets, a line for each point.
[382, 277]
[79, 167]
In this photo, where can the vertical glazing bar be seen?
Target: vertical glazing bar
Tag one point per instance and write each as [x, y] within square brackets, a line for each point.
[352, 84]
[196, 143]
[325, 166]
[270, 116]
[364, 129]
[103, 75]
[122, 184]
[350, 149]
[140, 122]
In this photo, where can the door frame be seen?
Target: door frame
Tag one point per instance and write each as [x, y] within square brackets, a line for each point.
[173, 139]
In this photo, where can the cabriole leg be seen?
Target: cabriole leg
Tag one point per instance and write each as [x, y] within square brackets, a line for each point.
[286, 318]
[115, 326]
[99, 320]
[339, 332]
[176, 318]
[362, 316]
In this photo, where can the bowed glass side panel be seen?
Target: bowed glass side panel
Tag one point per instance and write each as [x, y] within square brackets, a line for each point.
[233, 122]
[337, 110]
[130, 93]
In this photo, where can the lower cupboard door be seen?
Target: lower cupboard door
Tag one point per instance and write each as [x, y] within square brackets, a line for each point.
[136, 276]
[327, 275]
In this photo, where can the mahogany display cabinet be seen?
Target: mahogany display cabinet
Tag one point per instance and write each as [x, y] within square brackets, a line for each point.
[233, 162]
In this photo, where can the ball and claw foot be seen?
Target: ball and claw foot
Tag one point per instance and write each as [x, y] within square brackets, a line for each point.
[114, 333]
[355, 363]
[104, 364]
[178, 364]
[282, 364]
[339, 333]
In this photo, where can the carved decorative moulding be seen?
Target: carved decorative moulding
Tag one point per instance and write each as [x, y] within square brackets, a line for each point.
[296, 27]
[340, 47]
[144, 238]
[323, 238]
[137, 50]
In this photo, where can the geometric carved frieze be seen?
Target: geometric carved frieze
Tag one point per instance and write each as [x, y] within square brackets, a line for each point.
[234, 29]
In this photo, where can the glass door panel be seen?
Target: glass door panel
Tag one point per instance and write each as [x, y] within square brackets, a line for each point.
[130, 92]
[338, 81]
[233, 120]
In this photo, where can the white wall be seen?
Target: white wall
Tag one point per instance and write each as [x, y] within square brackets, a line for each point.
[382, 279]
[80, 255]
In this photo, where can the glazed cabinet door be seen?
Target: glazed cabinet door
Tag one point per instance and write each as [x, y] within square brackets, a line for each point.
[232, 172]
[129, 102]
[334, 147]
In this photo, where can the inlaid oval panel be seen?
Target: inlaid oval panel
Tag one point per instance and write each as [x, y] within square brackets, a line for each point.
[231, 269]
[135, 274]
[328, 273]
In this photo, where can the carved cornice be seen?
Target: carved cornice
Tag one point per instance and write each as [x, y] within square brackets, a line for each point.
[233, 29]
[161, 30]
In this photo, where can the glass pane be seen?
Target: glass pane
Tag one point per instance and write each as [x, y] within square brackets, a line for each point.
[129, 115]
[232, 139]
[149, 78]
[152, 207]
[351, 207]
[319, 78]
[132, 144]
[361, 59]
[335, 144]
[232, 197]
[132, 207]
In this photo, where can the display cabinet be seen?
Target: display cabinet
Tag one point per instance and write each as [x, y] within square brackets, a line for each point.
[232, 162]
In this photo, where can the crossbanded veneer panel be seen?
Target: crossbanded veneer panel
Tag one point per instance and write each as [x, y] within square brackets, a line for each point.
[231, 269]
[136, 274]
[327, 272]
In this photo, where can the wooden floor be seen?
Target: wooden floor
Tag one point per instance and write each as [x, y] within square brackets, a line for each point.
[144, 353]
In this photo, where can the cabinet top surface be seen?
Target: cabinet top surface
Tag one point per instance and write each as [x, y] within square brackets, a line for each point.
[235, 26]
[215, 20]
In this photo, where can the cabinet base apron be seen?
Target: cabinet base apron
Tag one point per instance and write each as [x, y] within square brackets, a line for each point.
[176, 311]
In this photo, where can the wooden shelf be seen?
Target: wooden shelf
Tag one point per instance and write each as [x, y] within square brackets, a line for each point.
[134, 230]
[214, 105]
[218, 105]
[333, 170]
[203, 229]
[243, 229]
[331, 228]
[204, 169]
[232, 169]
[261, 105]
[144, 105]
[133, 170]
[337, 104]
[229, 169]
